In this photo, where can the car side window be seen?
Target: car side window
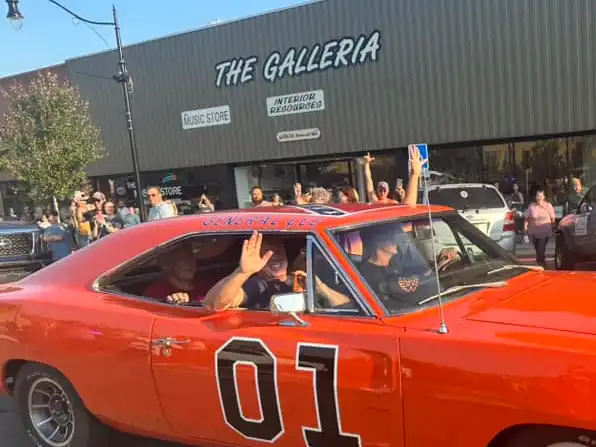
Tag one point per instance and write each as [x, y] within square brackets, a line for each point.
[330, 289]
[588, 201]
[191, 265]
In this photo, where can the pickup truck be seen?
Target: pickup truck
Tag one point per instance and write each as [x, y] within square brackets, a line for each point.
[21, 250]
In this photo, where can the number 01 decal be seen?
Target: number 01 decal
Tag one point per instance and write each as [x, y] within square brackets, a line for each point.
[320, 360]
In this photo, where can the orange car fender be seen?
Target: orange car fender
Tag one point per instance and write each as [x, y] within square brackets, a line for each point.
[467, 386]
[108, 366]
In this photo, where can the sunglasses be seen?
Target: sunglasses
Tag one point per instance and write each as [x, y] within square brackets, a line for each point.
[152, 195]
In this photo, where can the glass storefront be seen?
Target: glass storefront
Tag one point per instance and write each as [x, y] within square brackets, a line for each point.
[279, 178]
[184, 187]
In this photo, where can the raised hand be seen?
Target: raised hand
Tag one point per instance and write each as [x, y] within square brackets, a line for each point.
[416, 161]
[251, 260]
[367, 159]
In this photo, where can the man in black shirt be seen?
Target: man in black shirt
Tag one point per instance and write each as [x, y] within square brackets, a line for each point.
[387, 270]
[261, 273]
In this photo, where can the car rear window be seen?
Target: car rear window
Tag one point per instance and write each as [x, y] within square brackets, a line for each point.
[466, 198]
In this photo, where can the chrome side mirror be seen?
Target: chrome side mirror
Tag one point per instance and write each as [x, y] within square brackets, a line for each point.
[290, 304]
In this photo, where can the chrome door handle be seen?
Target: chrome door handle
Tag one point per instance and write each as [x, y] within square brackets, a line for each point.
[169, 341]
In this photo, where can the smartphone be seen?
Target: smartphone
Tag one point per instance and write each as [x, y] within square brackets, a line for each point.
[399, 184]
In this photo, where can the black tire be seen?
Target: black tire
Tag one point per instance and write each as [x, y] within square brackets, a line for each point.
[564, 259]
[80, 428]
[551, 437]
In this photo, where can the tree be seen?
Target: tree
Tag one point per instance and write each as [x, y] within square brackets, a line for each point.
[47, 139]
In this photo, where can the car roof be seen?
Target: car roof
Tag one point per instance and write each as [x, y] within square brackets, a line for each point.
[300, 218]
[120, 247]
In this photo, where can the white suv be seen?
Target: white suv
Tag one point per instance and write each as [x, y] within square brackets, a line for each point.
[482, 205]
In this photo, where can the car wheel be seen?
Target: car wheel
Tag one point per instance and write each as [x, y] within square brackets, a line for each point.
[564, 259]
[52, 411]
[551, 437]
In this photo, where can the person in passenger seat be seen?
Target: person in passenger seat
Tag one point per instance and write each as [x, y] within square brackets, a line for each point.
[180, 283]
[261, 273]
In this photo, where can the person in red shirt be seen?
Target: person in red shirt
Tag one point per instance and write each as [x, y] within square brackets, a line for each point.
[180, 283]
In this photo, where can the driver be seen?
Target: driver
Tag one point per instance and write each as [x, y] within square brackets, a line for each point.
[261, 273]
[387, 271]
[180, 283]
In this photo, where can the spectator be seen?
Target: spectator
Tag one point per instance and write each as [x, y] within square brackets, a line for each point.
[159, 208]
[28, 216]
[257, 197]
[575, 196]
[346, 194]
[57, 237]
[44, 221]
[517, 198]
[128, 216]
[84, 225]
[301, 198]
[320, 196]
[112, 221]
[276, 200]
[539, 225]
[382, 193]
[205, 205]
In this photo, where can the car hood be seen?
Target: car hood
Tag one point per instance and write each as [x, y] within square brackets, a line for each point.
[563, 301]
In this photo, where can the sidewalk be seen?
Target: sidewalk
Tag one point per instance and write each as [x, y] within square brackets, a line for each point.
[526, 254]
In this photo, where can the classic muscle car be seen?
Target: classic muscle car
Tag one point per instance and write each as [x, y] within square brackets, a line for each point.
[412, 328]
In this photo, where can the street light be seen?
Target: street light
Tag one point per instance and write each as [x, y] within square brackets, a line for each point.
[122, 77]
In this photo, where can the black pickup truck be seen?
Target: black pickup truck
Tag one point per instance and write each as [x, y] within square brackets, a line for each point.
[21, 250]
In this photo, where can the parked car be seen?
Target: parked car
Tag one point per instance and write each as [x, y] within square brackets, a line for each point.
[575, 240]
[21, 249]
[510, 360]
[482, 205]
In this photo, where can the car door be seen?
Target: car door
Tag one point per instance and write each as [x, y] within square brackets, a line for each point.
[584, 225]
[248, 378]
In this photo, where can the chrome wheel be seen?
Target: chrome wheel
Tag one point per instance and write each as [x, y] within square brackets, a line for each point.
[51, 412]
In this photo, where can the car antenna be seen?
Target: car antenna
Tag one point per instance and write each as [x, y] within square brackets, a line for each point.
[443, 329]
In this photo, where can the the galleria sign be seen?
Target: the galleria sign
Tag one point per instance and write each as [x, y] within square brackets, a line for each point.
[338, 53]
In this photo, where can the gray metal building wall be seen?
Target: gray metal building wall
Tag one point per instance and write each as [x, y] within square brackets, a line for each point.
[448, 71]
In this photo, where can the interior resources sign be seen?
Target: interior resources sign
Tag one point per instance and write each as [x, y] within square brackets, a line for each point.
[304, 102]
[213, 116]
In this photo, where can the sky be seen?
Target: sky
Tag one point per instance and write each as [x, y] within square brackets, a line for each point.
[49, 36]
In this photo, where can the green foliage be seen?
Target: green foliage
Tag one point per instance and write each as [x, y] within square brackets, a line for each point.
[47, 139]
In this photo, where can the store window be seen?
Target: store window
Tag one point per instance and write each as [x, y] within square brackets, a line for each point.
[184, 187]
[279, 178]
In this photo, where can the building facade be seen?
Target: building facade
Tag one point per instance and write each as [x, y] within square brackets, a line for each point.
[501, 90]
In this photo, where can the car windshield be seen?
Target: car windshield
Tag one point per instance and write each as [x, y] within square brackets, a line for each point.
[462, 198]
[401, 260]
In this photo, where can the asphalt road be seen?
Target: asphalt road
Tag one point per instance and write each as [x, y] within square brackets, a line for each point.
[12, 433]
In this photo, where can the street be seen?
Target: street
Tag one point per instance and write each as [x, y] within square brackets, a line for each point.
[12, 433]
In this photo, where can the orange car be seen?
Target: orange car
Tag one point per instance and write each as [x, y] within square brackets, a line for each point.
[507, 360]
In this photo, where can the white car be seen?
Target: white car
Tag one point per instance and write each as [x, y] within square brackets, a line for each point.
[482, 205]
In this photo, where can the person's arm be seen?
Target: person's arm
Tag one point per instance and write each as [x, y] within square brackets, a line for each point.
[551, 213]
[370, 186]
[335, 298]
[415, 171]
[228, 292]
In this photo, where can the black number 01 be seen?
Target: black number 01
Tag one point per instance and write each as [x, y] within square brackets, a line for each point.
[321, 360]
